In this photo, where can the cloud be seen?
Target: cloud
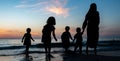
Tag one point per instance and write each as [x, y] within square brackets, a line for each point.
[58, 10]
[50, 6]
[7, 33]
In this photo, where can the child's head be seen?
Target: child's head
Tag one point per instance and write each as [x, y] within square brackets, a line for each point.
[51, 20]
[28, 30]
[67, 28]
[78, 30]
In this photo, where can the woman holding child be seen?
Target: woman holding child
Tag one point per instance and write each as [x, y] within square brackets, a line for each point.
[92, 21]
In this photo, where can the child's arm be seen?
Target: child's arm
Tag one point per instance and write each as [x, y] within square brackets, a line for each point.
[74, 38]
[70, 36]
[32, 38]
[54, 35]
[81, 33]
[23, 38]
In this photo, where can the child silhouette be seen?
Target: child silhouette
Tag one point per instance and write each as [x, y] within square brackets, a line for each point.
[27, 40]
[78, 38]
[46, 34]
[66, 36]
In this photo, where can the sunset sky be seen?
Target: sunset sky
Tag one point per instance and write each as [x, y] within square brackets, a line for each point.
[17, 15]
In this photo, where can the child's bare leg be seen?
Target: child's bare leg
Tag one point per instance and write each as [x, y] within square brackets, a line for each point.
[95, 51]
[27, 51]
[49, 49]
[87, 49]
[46, 51]
[80, 48]
[75, 48]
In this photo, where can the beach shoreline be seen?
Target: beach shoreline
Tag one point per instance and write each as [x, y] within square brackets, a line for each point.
[106, 51]
[101, 56]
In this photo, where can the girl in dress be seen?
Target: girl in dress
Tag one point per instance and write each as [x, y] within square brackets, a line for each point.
[48, 29]
[27, 40]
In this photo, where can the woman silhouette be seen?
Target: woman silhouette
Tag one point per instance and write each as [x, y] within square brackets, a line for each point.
[92, 21]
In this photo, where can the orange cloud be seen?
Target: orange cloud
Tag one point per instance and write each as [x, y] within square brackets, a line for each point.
[58, 10]
[47, 6]
[8, 33]
[5, 33]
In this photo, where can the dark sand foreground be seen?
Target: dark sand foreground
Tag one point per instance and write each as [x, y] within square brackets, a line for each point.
[101, 56]
[106, 52]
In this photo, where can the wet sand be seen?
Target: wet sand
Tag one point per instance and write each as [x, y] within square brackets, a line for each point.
[101, 56]
[107, 51]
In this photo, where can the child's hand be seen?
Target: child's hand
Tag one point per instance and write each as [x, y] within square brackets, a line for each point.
[34, 40]
[73, 40]
[55, 39]
[22, 41]
[82, 33]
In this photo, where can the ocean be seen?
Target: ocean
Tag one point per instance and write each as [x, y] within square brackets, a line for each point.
[17, 42]
[16, 47]
[10, 47]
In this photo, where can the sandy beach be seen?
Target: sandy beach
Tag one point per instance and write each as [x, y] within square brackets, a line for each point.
[61, 56]
[106, 51]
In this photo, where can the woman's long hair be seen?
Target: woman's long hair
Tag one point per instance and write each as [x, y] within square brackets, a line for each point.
[93, 8]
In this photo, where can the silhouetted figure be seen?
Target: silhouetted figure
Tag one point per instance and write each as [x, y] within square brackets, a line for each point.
[46, 35]
[78, 38]
[27, 40]
[66, 36]
[92, 23]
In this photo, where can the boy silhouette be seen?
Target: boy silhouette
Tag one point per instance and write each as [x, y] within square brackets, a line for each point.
[78, 40]
[66, 36]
